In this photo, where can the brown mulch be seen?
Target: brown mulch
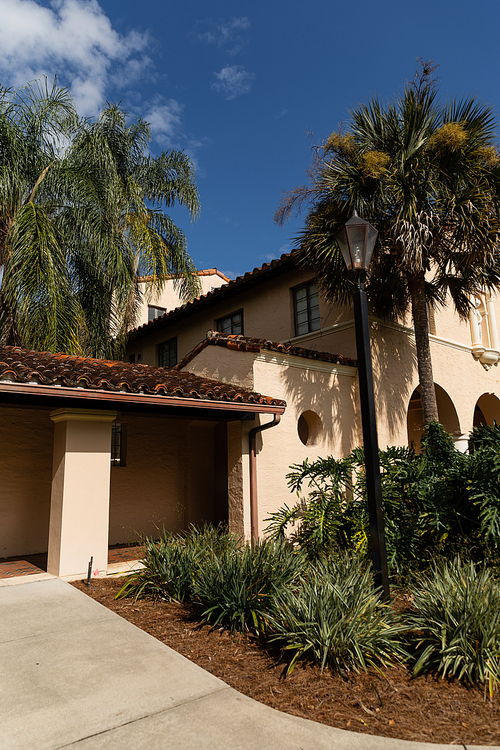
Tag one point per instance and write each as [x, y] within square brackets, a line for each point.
[424, 709]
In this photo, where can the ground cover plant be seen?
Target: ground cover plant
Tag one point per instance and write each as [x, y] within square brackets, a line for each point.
[455, 623]
[337, 619]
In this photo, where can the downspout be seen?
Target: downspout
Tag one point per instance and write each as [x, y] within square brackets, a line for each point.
[254, 506]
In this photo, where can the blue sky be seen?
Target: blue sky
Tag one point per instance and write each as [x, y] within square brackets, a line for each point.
[239, 85]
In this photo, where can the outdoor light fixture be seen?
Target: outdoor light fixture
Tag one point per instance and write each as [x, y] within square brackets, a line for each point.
[356, 240]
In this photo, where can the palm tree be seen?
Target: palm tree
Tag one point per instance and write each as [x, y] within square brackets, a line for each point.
[427, 176]
[81, 219]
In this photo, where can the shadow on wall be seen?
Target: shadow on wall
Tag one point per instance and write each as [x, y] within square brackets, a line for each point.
[394, 367]
[325, 408]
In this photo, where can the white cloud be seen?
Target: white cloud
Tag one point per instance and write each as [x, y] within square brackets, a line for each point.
[226, 35]
[165, 118]
[232, 81]
[73, 39]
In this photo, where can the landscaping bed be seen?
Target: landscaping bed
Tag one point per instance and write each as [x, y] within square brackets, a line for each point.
[424, 709]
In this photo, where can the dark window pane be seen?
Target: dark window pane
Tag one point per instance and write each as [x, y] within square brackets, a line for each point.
[167, 353]
[231, 324]
[155, 312]
[306, 309]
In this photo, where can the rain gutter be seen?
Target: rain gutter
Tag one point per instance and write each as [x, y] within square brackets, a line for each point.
[138, 398]
[254, 505]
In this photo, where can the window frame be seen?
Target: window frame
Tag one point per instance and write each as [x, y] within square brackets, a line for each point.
[309, 309]
[159, 312]
[159, 350]
[118, 444]
[230, 317]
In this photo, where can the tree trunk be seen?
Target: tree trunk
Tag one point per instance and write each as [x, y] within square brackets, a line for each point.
[8, 332]
[416, 285]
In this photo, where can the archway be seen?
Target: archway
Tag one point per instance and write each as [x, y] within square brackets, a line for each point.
[446, 410]
[487, 409]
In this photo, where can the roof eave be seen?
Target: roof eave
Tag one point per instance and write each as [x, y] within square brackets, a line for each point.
[274, 268]
[122, 398]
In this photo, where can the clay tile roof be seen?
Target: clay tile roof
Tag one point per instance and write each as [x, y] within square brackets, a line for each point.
[44, 368]
[275, 267]
[247, 344]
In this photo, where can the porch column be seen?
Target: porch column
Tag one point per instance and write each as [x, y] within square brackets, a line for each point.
[79, 506]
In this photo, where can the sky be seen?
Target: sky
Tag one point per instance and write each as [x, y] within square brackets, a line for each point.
[246, 88]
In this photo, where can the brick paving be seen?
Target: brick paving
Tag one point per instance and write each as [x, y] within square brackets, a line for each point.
[12, 567]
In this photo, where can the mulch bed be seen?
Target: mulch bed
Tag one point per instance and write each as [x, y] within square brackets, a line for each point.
[425, 709]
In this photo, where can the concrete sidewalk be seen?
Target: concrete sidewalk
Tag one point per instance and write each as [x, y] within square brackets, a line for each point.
[75, 675]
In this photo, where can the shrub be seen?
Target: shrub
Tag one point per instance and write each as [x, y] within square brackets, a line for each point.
[457, 619]
[236, 588]
[170, 564]
[337, 619]
[438, 501]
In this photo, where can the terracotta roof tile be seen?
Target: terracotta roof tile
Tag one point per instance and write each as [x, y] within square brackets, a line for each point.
[247, 344]
[234, 286]
[44, 368]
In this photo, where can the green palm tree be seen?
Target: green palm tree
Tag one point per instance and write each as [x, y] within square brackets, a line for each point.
[81, 219]
[427, 176]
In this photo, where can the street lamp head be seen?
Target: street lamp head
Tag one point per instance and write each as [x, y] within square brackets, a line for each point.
[356, 240]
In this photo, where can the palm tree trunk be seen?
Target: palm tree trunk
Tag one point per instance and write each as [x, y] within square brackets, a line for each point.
[8, 331]
[416, 285]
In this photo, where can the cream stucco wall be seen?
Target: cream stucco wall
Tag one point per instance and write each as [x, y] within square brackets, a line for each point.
[79, 504]
[329, 391]
[169, 297]
[26, 437]
[169, 477]
[268, 313]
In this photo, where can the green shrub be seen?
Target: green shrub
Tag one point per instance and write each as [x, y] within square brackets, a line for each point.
[457, 622]
[439, 501]
[337, 619]
[170, 564]
[236, 587]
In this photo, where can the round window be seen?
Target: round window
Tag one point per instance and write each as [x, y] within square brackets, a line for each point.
[309, 428]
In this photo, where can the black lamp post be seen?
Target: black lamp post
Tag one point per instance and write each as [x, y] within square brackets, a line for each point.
[356, 240]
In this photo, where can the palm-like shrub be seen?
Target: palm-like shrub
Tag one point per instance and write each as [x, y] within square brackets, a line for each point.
[322, 523]
[171, 564]
[457, 622]
[236, 588]
[337, 619]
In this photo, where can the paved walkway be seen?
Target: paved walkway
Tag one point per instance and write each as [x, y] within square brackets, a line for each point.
[73, 674]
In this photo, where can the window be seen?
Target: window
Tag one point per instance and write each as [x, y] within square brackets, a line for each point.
[118, 444]
[167, 353]
[306, 309]
[155, 312]
[231, 324]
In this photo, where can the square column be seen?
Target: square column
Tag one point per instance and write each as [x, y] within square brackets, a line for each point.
[79, 506]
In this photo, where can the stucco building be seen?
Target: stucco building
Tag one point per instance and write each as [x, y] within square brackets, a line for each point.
[280, 302]
[96, 453]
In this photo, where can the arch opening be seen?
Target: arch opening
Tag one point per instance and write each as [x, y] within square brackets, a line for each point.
[446, 410]
[487, 410]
